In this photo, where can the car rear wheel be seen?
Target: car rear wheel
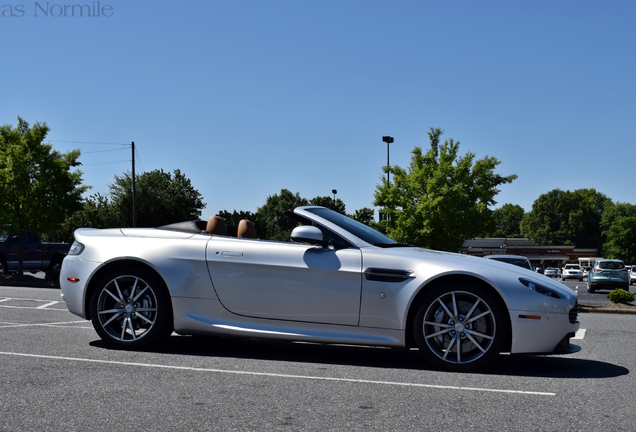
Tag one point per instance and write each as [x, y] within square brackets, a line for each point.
[460, 327]
[589, 286]
[131, 309]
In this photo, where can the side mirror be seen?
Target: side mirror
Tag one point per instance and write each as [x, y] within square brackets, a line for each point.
[307, 234]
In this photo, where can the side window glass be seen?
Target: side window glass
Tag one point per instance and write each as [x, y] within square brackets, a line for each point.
[333, 239]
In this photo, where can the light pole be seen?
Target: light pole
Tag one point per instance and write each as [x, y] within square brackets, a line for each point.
[334, 192]
[388, 140]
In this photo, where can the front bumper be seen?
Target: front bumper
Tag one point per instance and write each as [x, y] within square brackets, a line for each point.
[565, 347]
[543, 333]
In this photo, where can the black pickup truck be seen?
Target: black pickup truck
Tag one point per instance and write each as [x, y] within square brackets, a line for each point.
[36, 255]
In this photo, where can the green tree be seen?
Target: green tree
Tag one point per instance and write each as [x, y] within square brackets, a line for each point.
[568, 218]
[364, 215]
[161, 198]
[442, 198]
[507, 220]
[272, 223]
[38, 186]
[97, 211]
[327, 201]
[614, 212]
[232, 220]
[620, 240]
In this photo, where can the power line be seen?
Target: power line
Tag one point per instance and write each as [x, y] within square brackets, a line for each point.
[124, 146]
[107, 163]
[90, 142]
[103, 151]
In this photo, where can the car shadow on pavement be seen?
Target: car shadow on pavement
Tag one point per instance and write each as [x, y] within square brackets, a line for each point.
[554, 367]
[377, 357]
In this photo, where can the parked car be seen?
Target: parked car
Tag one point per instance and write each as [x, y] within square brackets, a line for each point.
[551, 272]
[572, 271]
[36, 254]
[518, 260]
[586, 271]
[632, 274]
[337, 281]
[608, 274]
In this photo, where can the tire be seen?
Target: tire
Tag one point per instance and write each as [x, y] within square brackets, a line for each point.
[4, 269]
[131, 309]
[464, 315]
[56, 263]
[589, 287]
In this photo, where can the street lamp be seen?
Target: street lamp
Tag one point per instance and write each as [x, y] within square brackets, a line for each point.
[334, 192]
[388, 140]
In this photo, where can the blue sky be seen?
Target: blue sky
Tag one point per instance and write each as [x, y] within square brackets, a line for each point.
[249, 97]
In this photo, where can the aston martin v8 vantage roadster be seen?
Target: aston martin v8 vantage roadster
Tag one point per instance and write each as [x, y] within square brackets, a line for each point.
[336, 281]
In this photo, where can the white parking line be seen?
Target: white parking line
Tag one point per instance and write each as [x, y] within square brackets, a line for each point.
[52, 324]
[276, 375]
[580, 334]
[44, 306]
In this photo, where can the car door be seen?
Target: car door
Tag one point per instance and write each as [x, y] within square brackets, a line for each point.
[287, 281]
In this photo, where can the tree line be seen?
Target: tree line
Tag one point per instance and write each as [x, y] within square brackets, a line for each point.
[584, 218]
[441, 199]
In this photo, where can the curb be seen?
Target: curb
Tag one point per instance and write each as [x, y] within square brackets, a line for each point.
[608, 310]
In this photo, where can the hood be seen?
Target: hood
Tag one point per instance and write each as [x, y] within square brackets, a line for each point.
[421, 260]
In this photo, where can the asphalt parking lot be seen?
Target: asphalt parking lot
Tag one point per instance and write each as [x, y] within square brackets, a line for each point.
[58, 375]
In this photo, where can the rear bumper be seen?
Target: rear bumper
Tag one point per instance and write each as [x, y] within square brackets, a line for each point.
[74, 277]
[609, 284]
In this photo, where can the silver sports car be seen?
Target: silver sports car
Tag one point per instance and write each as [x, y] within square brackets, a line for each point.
[337, 281]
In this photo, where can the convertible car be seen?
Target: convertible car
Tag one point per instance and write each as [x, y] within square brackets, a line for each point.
[336, 281]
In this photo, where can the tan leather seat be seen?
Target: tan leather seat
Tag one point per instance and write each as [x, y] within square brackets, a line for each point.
[216, 225]
[246, 229]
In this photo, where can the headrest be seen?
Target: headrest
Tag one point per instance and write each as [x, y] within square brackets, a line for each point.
[246, 229]
[216, 225]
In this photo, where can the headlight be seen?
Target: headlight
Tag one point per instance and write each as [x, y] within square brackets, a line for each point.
[541, 289]
[76, 248]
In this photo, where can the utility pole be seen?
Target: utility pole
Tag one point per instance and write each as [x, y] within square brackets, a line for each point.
[388, 140]
[134, 188]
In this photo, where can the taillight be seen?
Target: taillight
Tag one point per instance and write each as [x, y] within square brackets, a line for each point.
[597, 270]
[624, 271]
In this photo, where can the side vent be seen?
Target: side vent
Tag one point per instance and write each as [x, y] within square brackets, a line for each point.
[387, 275]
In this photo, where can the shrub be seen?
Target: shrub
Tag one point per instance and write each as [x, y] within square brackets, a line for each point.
[621, 296]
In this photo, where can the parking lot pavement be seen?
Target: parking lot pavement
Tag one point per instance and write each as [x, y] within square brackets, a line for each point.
[57, 374]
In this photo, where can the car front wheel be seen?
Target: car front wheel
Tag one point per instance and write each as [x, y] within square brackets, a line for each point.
[131, 309]
[460, 327]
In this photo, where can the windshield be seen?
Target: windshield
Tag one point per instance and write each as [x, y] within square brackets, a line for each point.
[521, 262]
[356, 228]
[611, 265]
